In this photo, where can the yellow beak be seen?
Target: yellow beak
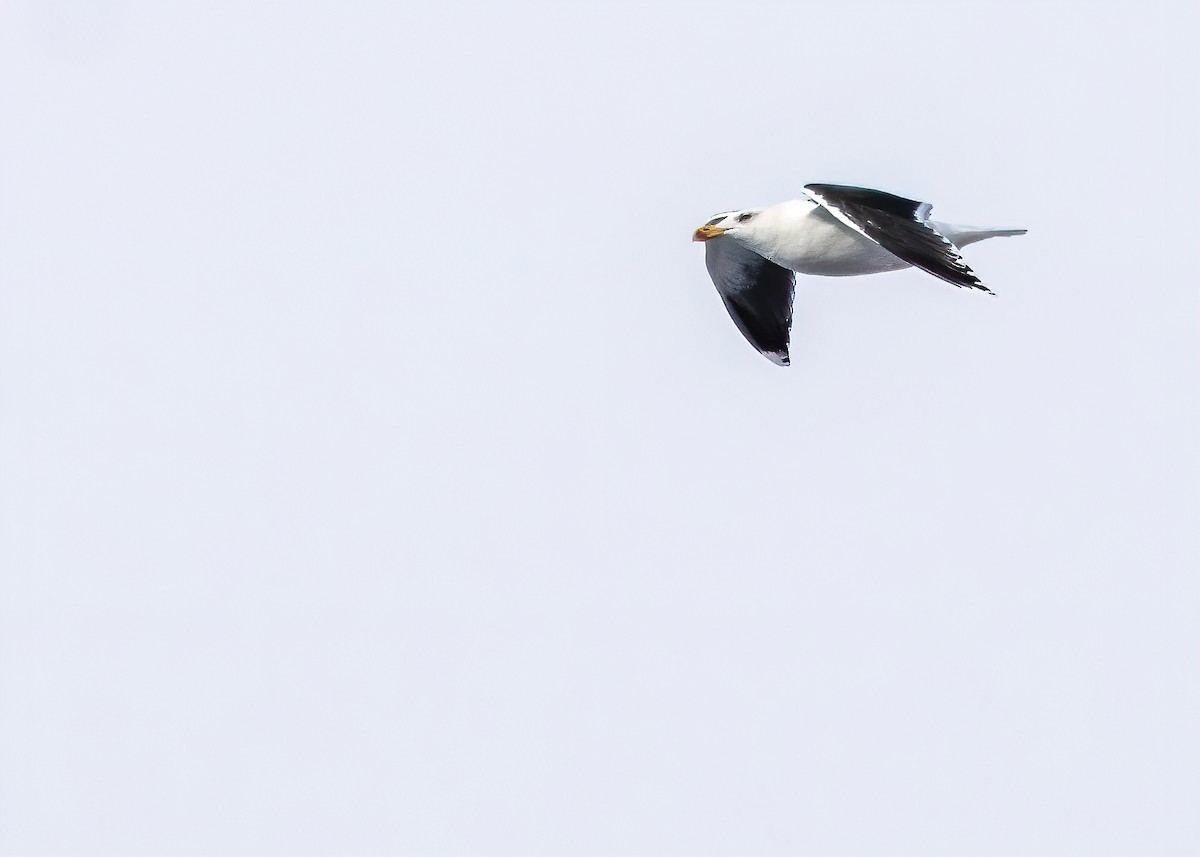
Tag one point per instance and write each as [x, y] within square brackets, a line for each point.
[706, 232]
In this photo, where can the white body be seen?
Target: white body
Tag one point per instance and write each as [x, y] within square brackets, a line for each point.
[804, 237]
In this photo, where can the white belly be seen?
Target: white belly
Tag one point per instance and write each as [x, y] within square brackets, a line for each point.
[816, 242]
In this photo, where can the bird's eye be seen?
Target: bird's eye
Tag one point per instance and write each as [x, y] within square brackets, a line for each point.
[742, 218]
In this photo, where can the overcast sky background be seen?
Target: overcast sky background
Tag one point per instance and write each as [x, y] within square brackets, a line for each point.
[381, 474]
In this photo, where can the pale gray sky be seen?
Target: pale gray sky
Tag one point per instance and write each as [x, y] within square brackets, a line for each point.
[380, 473]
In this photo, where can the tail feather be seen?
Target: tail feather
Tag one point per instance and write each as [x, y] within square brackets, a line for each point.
[961, 236]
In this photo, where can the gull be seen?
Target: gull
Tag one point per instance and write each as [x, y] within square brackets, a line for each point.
[753, 255]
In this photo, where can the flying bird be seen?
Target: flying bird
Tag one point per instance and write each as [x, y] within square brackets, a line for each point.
[753, 255]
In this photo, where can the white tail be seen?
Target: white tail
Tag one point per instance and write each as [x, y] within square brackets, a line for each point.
[961, 236]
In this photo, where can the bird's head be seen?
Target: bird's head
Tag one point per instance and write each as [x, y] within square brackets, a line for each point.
[730, 223]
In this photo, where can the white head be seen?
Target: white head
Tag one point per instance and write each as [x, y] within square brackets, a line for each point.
[735, 224]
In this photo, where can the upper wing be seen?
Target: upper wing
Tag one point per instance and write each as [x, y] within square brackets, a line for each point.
[899, 226]
[757, 293]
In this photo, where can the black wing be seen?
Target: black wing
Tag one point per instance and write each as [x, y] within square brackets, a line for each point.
[899, 226]
[757, 293]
